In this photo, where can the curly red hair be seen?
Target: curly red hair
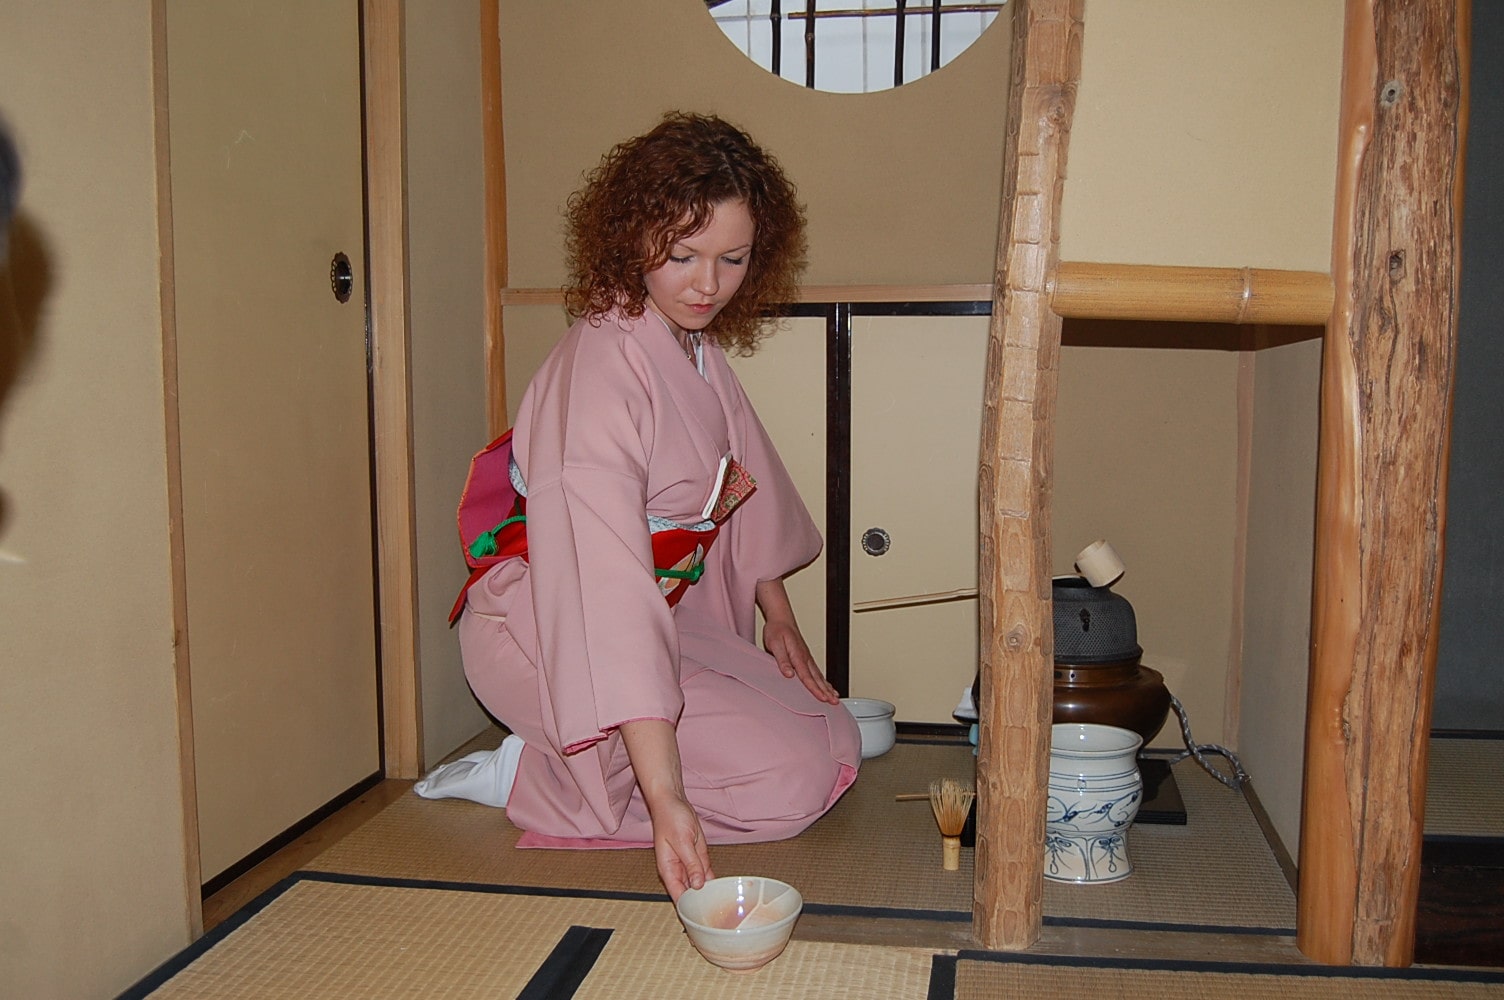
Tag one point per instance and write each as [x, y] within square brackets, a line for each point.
[651, 191]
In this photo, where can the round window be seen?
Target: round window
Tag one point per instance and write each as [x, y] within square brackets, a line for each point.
[852, 46]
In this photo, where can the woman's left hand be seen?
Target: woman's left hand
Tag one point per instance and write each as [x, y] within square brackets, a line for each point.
[783, 640]
[781, 637]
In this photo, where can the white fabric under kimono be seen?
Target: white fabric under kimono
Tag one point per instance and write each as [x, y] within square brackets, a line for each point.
[617, 425]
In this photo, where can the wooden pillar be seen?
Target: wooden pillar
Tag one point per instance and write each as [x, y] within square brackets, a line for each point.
[1386, 400]
[1023, 350]
[391, 385]
[495, 168]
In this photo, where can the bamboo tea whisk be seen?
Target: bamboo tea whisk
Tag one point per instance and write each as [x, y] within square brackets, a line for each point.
[951, 802]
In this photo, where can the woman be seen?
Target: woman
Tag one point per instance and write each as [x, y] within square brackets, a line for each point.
[641, 709]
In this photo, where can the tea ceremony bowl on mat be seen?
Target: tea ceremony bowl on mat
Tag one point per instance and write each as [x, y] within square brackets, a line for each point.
[740, 922]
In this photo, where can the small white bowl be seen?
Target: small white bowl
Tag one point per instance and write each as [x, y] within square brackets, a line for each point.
[740, 922]
[875, 720]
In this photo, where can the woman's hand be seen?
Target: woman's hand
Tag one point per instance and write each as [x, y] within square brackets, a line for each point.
[678, 840]
[679, 847]
[781, 638]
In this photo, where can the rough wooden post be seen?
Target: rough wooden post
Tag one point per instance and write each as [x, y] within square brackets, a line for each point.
[1023, 350]
[1386, 401]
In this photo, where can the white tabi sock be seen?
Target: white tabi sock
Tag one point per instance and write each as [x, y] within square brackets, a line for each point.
[485, 776]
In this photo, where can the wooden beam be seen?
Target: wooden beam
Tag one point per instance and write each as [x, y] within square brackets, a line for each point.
[391, 388]
[1083, 290]
[494, 166]
[1015, 479]
[1386, 399]
[895, 293]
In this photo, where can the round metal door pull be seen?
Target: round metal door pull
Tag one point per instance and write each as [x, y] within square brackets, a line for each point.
[875, 541]
[341, 277]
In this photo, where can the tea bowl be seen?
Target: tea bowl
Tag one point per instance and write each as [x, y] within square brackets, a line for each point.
[740, 922]
[874, 718]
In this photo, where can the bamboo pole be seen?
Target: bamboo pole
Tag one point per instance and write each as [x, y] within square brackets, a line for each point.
[1386, 397]
[493, 157]
[1081, 290]
[1015, 479]
[1191, 294]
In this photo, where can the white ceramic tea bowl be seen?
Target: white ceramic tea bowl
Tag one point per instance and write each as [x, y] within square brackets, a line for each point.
[875, 720]
[740, 922]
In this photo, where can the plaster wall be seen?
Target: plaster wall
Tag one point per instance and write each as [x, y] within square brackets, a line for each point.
[1205, 133]
[1277, 602]
[92, 875]
[902, 186]
[446, 216]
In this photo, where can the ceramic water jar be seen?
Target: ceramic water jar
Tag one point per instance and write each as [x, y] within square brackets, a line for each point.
[1094, 794]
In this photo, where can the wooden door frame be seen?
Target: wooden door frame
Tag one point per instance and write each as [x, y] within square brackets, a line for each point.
[382, 38]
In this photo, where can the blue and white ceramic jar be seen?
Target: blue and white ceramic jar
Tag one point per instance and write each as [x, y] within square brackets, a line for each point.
[1094, 793]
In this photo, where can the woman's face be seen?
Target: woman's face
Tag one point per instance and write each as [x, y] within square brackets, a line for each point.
[703, 270]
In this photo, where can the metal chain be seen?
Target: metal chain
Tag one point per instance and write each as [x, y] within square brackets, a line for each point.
[1199, 750]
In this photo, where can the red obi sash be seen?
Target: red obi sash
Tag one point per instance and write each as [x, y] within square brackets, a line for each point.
[493, 523]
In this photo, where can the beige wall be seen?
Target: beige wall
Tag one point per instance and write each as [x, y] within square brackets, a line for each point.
[1205, 133]
[92, 885]
[1277, 617]
[445, 233]
[1146, 457]
[901, 185]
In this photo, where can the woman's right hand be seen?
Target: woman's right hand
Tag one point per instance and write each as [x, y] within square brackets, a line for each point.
[678, 840]
[679, 847]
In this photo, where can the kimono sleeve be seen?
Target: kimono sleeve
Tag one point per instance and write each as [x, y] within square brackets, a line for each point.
[606, 640]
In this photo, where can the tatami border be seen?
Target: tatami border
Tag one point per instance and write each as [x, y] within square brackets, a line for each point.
[943, 969]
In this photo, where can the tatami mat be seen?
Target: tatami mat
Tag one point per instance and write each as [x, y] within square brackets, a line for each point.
[1023, 978]
[351, 938]
[1464, 793]
[870, 853]
[350, 941]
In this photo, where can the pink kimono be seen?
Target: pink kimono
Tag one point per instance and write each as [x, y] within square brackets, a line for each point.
[616, 426]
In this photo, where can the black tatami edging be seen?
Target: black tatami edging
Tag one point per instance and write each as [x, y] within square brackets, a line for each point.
[566, 967]
[943, 969]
